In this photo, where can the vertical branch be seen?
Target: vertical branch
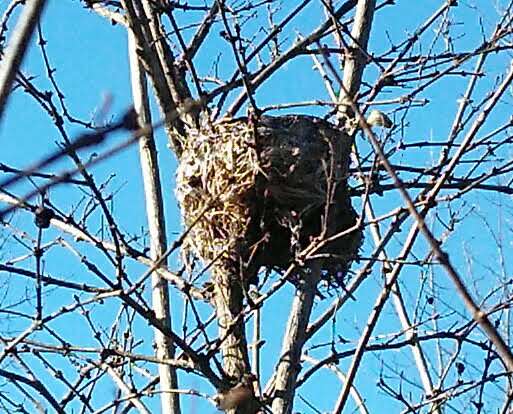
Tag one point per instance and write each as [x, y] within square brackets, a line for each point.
[238, 59]
[156, 37]
[228, 298]
[38, 253]
[294, 339]
[349, 87]
[17, 47]
[156, 225]
[356, 60]
[228, 301]
[286, 56]
[157, 59]
[255, 362]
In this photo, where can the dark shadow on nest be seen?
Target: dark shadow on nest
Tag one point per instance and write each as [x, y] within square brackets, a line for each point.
[268, 189]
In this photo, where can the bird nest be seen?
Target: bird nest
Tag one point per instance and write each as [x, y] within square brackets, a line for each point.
[258, 193]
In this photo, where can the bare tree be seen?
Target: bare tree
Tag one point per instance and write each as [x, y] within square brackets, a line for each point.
[344, 178]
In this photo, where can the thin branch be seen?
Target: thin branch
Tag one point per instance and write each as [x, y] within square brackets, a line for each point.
[478, 315]
[35, 384]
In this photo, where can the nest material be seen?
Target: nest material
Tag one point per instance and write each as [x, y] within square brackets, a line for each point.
[258, 193]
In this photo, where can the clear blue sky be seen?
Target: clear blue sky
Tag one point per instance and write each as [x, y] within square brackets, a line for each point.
[92, 63]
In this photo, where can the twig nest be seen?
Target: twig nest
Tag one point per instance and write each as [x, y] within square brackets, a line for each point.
[257, 193]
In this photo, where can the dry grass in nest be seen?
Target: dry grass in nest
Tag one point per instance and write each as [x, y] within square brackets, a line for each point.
[259, 194]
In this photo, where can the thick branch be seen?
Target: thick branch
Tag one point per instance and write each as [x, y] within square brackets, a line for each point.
[294, 339]
[157, 231]
[356, 60]
[151, 52]
[17, 47]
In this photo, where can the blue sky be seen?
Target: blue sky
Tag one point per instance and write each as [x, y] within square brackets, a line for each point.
[92, 63]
